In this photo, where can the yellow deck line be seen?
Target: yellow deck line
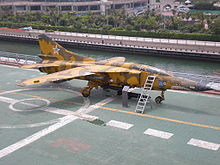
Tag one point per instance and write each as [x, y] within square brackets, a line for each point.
[161, 118]
[127, 112]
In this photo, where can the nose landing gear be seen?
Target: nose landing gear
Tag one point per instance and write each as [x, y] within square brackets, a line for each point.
[160, 98]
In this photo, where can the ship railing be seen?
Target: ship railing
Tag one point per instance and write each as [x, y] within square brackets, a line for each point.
[127, 38]
[16, 58]
[34, 32]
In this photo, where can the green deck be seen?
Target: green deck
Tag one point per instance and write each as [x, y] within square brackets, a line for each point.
[39, 137]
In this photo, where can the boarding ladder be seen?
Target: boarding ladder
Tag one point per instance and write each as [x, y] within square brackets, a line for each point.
[144, 97]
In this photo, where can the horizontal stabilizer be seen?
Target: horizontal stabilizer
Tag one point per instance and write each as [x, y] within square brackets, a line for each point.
[49, 57]
[37, 66]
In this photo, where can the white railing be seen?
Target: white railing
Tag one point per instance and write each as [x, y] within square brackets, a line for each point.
[15, 58]
[153, 40]
[9, 57]
[31, 34]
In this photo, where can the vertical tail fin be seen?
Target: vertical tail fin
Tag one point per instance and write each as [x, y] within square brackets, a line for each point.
[52, 51]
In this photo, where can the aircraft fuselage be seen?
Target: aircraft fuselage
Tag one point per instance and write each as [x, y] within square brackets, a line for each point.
[164, 80]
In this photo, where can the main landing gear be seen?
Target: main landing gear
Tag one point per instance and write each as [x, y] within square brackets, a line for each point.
[86, 91]
[160, 98]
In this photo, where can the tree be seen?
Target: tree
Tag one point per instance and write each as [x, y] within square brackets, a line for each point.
[176, 23]
[54, 16]
[6, 11]
[151, 23]
[215, 27]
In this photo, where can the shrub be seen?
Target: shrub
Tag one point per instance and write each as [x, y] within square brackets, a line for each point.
[133, 33]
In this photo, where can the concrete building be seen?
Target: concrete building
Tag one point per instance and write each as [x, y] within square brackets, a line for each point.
[83, 6]
[163, 5]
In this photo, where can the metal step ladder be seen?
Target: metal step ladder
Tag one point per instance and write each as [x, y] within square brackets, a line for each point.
[144, 97]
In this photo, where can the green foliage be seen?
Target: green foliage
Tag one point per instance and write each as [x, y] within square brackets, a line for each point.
[169, 35]
[215, 27]
[118, 22]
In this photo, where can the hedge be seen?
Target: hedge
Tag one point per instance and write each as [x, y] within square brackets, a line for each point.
[168, 35]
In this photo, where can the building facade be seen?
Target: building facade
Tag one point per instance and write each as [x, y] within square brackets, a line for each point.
[83, 6]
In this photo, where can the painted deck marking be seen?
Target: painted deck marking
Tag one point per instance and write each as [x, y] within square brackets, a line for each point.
[118, 124]
[54, 110]
[97, 105]
[132, 113]
[204, 144]
[63, 121]
[161, 118]
[157, 133]
[7, 100]
[8, 150]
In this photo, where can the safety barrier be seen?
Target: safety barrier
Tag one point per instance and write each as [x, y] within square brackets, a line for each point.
[18, 59]
[172, 45]
[126, 38]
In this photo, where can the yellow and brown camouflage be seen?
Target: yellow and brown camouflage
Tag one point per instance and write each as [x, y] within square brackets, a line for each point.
[62, 65]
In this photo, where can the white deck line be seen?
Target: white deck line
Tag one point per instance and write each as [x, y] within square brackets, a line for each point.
[204, 144]
[97, 105]
[57, 110]
[157, 133]
[7, 100]
[118, 124]
[62, 122]
[8, 150]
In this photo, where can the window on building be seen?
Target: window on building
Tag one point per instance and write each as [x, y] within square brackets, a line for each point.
[83, 8]
[65, 8]
[95, 7]
[119, 6]
[35, 8]
[20, 8]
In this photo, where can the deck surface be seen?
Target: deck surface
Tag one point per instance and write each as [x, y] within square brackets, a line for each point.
[47, 125]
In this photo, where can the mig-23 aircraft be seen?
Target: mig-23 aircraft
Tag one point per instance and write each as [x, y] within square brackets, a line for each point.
[63, 65]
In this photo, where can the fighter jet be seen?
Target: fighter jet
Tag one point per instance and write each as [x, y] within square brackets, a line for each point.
[63, 65]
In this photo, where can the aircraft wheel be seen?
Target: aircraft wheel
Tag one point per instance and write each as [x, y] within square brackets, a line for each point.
[85, 95]
[158, 99]
[85, 92]
[119, 92]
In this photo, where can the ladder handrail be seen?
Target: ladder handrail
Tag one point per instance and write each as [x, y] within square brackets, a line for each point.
[144, 97]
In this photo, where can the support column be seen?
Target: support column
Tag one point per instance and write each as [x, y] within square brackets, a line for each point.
[103, 7]
[27, 8]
